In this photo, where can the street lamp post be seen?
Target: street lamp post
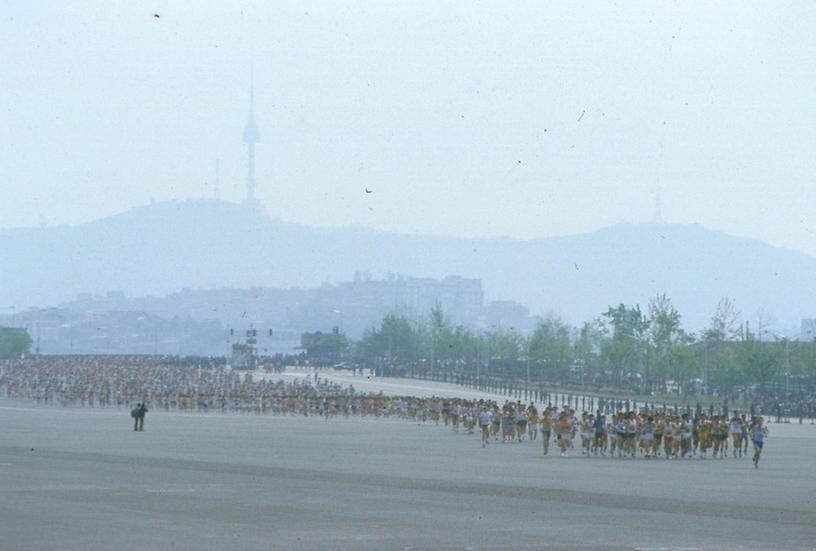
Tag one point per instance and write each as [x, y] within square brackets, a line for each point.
[433, 355]
[478, 363]
[787, 367]
[528, 366]
[705, 371]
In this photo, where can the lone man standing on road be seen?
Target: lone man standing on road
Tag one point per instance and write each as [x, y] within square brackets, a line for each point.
[138, 414]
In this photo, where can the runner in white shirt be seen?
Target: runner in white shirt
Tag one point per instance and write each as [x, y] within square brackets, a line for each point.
[484, 423]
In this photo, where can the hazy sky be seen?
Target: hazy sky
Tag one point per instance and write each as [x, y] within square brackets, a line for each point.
[463, 118]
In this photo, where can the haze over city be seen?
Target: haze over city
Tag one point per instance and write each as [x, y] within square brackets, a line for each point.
[370, 275]
[526, 121]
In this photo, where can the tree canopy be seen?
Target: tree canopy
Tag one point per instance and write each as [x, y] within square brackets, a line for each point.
[13, 342]
[645, 350]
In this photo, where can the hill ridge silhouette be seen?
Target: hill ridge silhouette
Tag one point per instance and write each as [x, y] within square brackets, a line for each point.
[162, 247]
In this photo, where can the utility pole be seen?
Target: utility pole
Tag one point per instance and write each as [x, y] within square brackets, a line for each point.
[705, 370]
[528, 363]
[787, 367]
[433, 355]
[478, 362]
[390, 355]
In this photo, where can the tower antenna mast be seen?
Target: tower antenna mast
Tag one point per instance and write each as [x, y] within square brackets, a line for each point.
[251, 137]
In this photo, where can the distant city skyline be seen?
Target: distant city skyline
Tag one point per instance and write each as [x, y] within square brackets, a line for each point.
[205, 321]
[522, 121]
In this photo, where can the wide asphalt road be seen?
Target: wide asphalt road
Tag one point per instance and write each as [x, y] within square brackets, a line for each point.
[82, 479]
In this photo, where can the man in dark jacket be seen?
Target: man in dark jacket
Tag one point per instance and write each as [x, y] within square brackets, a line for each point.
[138, 414]
[142, 413]
[134, 413]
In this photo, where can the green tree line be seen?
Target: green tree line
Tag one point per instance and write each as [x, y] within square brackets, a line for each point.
[626, 347]
[13, 342]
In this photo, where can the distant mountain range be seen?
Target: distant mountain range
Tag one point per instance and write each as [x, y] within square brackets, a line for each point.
[200, 244]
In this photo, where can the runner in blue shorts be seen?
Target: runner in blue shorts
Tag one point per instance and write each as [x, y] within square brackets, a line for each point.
[758, 435]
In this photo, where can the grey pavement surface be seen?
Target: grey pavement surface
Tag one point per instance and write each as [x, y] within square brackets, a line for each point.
[390, 386]
[82, 479]
[397, 386]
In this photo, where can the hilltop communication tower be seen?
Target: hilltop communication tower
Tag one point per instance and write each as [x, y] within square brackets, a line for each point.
[251, 137]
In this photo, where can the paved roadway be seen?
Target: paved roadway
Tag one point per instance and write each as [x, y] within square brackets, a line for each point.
[396, 386]
[390, 386]
[82, 479]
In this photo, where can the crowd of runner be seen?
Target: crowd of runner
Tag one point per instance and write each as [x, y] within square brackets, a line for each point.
[647, 434]
[165, 382]
[195, 385]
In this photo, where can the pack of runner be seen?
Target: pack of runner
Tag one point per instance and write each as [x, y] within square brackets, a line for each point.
[170, 383]
[632, 434]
